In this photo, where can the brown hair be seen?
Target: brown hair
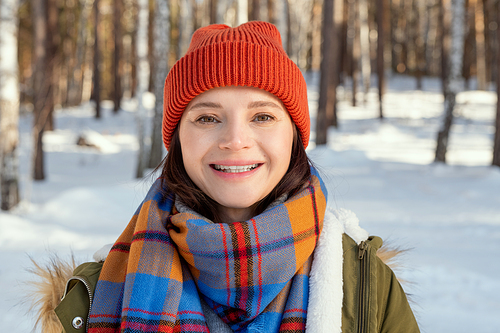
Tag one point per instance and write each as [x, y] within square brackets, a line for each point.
[175, 179]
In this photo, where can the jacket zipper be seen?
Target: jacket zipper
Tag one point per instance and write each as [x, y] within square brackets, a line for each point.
[363, 287]
[87, 285]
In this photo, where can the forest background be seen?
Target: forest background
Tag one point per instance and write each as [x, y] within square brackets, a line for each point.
[61, 53]
[56, 55]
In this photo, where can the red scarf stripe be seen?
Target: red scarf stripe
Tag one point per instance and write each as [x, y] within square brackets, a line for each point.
[226, 255]
[259, 264]
[315, 210]
[121, 247]
[243, 263]
[295, 310]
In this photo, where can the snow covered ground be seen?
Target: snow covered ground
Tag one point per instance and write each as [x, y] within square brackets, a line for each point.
[448, 216]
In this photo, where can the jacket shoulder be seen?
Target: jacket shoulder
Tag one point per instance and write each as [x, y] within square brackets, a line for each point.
[74, 308]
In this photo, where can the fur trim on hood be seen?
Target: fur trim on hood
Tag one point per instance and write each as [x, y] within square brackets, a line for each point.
[46, 290]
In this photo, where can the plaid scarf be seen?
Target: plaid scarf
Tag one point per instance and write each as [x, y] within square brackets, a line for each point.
[253, 274]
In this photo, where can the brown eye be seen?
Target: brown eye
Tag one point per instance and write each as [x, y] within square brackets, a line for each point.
[263, 118]
[207, 119]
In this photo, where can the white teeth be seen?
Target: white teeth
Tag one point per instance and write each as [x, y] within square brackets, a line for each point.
[235, 168]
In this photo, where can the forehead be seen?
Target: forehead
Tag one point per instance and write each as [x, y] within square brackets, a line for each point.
[241, 94]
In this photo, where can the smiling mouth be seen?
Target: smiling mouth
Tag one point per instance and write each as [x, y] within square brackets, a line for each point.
[234, 168]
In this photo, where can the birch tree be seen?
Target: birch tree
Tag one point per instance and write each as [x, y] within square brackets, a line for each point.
[9, 105]
[142, 78]
[161, 51]
[75, 88]
[454, 71]
[242, 14]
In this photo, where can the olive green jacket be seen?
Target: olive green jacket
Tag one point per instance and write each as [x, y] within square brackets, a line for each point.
[351, 289]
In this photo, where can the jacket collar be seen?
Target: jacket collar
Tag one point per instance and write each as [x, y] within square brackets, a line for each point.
[324, 312]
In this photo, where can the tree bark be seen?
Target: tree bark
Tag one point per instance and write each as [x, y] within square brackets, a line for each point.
[213, 11]
[41, 86]
[480, 46]
[496, 143]
[53, 60]
[327, 90]
[380, 54]
[364, 38]
[117, 72]
[454, 70]
[96, 92]
[254, 10]
[75, 85]
[354, 25]
[9, 106]
[161, 51]
[443, 23]
[288, 14]
[142, 78]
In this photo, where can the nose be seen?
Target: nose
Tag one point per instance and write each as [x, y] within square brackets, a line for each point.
[236, 135]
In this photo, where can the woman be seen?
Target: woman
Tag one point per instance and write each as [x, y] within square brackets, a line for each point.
[235, 235]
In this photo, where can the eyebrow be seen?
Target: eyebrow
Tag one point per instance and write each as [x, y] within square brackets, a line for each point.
[202, 105]
[263, 104]
[251, 105]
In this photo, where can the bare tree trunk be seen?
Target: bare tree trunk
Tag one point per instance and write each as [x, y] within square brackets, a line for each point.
[9, 106]
[142, 78]
[469, 42]
[213, 11]
[380, 54]
[161, 51]
[355, 49]
[496, 144]
[364, 38]
[53, 60]
[96, 92]
[41, 86]
[327, 93]
[443, 21]
[455, 70]
[254, 10]
[480, 46]
[186, 25]
[150, 42]
[117, 72]
[75, 88]
[289, 49]
[271, 11]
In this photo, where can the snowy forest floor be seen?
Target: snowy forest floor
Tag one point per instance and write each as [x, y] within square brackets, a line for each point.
[447, 216]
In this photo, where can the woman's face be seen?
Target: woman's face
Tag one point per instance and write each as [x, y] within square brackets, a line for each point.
[236, 145]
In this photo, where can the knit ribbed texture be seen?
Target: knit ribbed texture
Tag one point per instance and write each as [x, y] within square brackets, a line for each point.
[249, 55]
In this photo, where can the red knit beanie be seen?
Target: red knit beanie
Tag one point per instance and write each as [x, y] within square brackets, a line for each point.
[249, 55]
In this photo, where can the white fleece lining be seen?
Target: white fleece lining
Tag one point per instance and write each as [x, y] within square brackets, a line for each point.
[102, 253]
[324, 311]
